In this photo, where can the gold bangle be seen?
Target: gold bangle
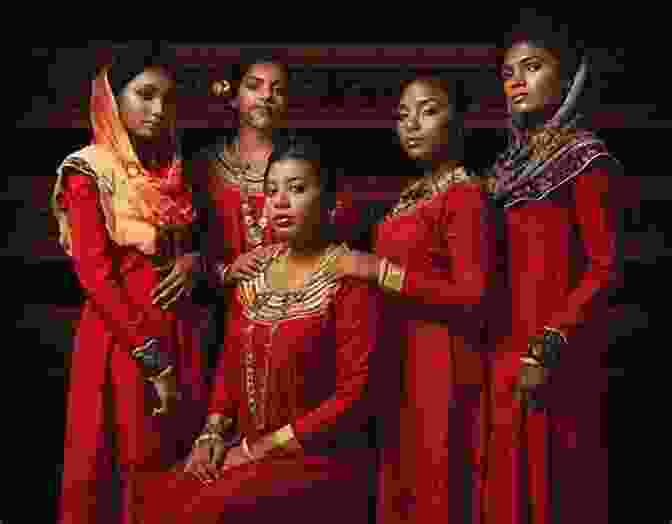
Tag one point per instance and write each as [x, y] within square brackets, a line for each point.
[220, 427]
[393, 278]
[282, 436]
[208, 436]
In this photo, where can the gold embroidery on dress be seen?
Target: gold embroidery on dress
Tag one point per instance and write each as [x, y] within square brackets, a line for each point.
[263, 305]
[426, 188]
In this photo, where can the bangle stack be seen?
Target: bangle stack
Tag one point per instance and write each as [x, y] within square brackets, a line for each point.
[214, 431]
[390, 276]
[546, 351]
[155, 361]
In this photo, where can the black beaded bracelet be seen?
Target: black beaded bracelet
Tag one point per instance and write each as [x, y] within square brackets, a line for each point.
[551, 343]
[151, 357]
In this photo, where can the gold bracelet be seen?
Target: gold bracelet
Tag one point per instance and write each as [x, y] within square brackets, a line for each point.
[282, 436]
[393, 278]
[208, 436]
[219, 427]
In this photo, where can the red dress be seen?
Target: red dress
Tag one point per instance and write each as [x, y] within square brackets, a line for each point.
[431, 435]
[109, 421]
[561, 260]
[317, 353]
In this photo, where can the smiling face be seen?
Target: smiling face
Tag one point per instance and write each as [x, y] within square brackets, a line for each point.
[293, 193]
[147, 104]
[532, 78]
[262, 96]
[424, 122]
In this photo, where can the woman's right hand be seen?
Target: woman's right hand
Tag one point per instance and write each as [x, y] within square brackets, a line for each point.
[205, 459]
[247, 265]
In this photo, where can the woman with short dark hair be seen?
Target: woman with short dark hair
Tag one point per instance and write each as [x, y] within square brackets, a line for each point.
[547, 460]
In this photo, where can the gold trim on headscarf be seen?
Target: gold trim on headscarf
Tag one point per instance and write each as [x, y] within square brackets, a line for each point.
[133, 199]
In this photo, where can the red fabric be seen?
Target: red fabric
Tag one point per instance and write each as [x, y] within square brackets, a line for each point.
[562, 259]
[109, 404]
[325, 406]
[433, 433]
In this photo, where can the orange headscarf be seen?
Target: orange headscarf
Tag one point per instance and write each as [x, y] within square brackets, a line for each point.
[136, 201]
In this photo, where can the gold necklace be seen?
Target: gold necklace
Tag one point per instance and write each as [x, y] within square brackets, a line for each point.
[289, 298]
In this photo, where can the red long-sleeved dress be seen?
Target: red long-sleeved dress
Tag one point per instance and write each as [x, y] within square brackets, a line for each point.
[318, 362]
[109, 417]
[432, 434]
[562, 258]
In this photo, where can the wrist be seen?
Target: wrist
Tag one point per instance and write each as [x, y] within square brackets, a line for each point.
[247, 451]
[155, 363]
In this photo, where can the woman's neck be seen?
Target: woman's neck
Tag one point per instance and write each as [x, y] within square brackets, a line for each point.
[254, 144]
[444, 166]
[304, 253]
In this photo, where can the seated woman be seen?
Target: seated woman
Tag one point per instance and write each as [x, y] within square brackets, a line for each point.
[284, 429]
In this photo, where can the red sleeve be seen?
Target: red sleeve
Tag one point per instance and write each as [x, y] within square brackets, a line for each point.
[596, 218]
[92, 252]
[460, 258]
[225, 396]
[356, 324]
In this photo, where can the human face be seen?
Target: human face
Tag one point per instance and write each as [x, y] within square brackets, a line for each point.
[532, 80]
[147, 104]
[424, 120]
[262, 96]
[293, 195]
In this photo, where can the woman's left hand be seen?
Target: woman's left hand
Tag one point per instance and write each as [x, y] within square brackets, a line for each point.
[177, 283]
[235, 457]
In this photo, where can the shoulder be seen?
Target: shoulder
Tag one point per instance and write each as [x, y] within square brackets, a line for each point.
[467, 189]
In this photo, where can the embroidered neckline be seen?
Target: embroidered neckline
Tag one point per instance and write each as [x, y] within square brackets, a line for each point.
[426, 188]
[264, 303]
[268, 306]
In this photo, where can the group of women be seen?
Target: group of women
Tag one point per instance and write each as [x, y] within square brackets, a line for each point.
[472, 332]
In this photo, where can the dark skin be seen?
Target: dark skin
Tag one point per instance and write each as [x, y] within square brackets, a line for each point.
[532, 79]
[293, 190]
[262, 106]
[425, 118]
[261, 102]
[147, 111]
[533, 83]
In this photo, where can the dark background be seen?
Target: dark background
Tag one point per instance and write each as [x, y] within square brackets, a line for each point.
[639, 444]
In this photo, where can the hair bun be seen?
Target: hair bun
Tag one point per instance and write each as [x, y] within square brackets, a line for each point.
[221, 88]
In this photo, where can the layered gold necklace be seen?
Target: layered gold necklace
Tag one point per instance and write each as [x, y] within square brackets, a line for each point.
[273, 305]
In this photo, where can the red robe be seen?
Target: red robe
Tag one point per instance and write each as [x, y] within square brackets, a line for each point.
[431, 436]
[318, 374]
[561, 260]
[109, 421]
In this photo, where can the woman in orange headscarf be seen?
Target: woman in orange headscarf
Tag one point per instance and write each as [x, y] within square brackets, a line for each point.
[125, 214]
